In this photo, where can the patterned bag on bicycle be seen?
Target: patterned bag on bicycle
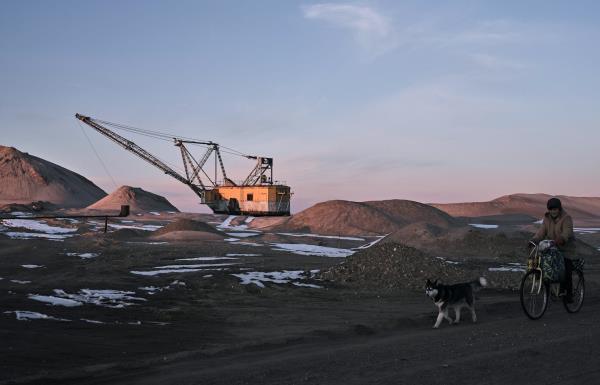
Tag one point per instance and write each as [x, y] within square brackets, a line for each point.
[553, 265]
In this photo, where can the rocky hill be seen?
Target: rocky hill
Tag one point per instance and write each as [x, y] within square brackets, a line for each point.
[139, 200]
[25, 178]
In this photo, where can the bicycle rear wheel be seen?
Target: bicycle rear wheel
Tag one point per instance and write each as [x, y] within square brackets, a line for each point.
[578, 292]
[534, 294]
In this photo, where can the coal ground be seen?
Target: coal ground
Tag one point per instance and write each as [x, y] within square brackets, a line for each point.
[214, 330]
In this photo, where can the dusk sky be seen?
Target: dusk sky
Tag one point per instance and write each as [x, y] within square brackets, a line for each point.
[423, 100]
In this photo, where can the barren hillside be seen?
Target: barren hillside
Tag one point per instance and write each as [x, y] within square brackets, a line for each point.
[529, 204]
[340, 217]
[139, 200]
[26, 178]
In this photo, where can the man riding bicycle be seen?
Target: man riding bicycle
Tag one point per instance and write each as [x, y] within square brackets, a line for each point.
[557, 225]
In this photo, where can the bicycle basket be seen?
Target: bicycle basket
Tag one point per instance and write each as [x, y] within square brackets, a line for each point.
[553, 265]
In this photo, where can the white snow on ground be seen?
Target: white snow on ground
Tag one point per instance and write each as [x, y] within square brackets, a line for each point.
[366, 246]
[586, 230]
[307, 285]
[258, 277]
[231, 239]
[168, 271]
[39, 226]
[55, 301]
[51, 237]
[483, 226]
[321, 236]
[513, 268]
[32, 266]
[1, 278]
[198, 266]
[20, 282]
[91, 321]
[127, 221]
[149, 243]
[107, 298]
[210, 258]
[302, 249]
[21, 214]
[241, 255]
[447, 261]
[138, 227]
[155, 213]
[242, 235]
[24, 315]
[83, 255]
[151, 289]
[539, 222]
[226, 225]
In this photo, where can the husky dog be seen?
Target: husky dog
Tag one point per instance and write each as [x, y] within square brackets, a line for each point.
[456, 296]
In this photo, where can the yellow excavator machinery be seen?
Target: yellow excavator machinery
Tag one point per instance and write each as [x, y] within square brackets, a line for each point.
[257, 195]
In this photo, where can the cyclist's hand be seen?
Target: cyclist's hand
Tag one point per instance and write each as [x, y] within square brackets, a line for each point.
[559, 241]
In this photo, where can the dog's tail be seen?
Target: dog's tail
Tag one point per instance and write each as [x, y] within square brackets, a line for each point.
[479, 283]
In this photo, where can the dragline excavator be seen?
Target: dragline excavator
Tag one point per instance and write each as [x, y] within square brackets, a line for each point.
[258, 194]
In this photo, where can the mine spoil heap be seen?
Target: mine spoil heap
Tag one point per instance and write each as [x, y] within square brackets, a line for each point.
[339, 217]
[26, 178]
[139, 200]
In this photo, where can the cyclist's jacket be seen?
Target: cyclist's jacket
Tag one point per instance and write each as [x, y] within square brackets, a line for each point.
[559, 230]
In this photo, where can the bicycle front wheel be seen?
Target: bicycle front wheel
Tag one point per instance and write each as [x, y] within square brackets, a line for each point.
[578, 292]
[534, 294]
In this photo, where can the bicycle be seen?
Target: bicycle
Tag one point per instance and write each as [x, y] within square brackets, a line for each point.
[536, 286]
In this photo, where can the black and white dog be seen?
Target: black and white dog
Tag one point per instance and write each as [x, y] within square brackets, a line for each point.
[457, 296]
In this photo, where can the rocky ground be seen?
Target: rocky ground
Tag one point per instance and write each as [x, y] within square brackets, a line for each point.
[259, 306]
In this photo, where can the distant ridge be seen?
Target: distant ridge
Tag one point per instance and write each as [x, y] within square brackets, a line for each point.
[529, 204]
[26, 178]
[139, 200]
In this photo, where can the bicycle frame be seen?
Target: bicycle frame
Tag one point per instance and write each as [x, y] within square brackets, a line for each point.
[534, 263]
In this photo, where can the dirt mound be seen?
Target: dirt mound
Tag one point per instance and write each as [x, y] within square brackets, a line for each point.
[139, 200]
[26, 178]
[393, 265]
[187, 235]
[582, 208]
[340, 217]
[186, 225]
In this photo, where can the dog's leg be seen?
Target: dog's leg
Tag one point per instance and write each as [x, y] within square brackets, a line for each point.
[446, 316]
[457, 311]
[439, 319]
[473, 313]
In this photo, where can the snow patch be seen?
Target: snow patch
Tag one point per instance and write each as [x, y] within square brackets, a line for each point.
[24, 315]
[241, 255]
[83, 255]
[32, 266]
[51, 237]
[321, 236]
[286, 276]
[55, 301]
[35, 225]
[19, 281]
[169, 271]
[303, 249]
[243, 235]
[483, 226]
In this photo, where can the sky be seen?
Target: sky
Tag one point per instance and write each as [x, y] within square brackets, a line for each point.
[430, 101]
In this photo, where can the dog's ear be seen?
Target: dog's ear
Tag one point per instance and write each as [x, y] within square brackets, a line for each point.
[435, 282]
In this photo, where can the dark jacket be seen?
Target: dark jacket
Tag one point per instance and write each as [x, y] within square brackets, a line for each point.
[560, 230]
